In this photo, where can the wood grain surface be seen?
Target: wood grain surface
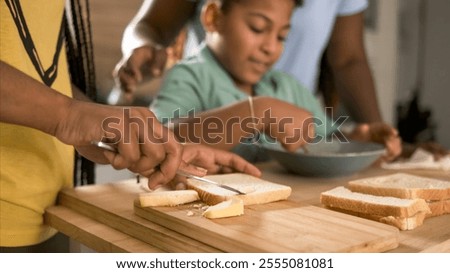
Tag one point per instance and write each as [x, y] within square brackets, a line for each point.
[282, 226]
[110, 208]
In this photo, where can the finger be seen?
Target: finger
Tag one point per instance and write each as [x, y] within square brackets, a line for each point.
[192, 169]
[127, 153]
[126, 81]
[394, 148]
[152, 154]
[159, 62]
[133, 67]
[290, 145]
[114, 160]
[146, 173]
[179, 183]
[124, 76]
[229, 161]
[171, 162]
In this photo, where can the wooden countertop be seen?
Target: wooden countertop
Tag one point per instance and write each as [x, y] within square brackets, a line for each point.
[95, 229]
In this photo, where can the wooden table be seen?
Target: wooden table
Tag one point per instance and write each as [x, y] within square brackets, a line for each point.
[95, 229]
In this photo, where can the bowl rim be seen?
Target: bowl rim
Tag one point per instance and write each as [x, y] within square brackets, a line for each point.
[381, 150]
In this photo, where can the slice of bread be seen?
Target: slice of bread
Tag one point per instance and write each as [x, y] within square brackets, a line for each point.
[403, 185]
[439, 207]
[402, 223]
[345, 199]
[229, 208]
[258, 191]
[167, 198]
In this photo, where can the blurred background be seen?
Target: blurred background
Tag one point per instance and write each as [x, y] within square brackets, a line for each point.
[407, 43]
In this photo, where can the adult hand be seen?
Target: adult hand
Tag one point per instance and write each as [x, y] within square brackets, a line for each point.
[128, 71]
[144, 145]
[381, 133]
[213, 161]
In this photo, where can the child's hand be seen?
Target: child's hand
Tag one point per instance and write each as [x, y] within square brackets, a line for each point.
[290, 125]
[380, 133]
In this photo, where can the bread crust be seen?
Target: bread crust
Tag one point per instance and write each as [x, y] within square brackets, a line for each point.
[343, 198]
[167, 198]
[401, 223]
[439, 208]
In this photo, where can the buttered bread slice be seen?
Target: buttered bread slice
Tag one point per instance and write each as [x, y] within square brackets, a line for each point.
[258, 191]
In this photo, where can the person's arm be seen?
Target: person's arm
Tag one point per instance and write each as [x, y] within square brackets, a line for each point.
[146, 38]
[224, 127]
[381, 133]
[143, 143]
[24, 101]
[348, 61]
[158, 22]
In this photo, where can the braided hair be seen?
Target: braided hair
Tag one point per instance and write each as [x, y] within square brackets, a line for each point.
[80, 56]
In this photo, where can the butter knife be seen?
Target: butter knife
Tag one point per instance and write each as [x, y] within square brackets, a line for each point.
[188, 175]
[111, 148]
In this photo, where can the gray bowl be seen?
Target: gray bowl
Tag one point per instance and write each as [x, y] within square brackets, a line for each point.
[327, 159]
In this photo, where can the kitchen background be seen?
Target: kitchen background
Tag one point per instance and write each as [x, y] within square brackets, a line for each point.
[407, 42]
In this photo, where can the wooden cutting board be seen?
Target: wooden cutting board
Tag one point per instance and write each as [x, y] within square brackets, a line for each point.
[276, 227]
[283, 226]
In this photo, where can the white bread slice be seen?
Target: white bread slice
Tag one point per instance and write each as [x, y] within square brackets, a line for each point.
[401, 223]
[229, 208]
[258, 191]
[343, 198]
[439, 207]
[403, 185]
[167, 198]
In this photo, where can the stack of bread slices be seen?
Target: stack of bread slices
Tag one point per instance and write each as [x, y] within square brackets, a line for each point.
[401, 200]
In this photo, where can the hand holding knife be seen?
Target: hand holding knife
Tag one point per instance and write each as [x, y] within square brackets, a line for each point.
[111, 148]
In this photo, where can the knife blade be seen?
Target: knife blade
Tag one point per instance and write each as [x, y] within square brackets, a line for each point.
[188, 175]
[111, 148]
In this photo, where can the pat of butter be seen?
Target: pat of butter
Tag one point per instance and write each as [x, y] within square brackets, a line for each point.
[228, 208]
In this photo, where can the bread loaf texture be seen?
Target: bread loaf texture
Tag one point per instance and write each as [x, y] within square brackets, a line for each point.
[403, 185]
[345, 199]
[258, 191]
[439, 207]
[167, 198]
[402, 223]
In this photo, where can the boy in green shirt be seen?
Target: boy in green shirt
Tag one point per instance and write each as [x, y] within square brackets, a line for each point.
[228, 91]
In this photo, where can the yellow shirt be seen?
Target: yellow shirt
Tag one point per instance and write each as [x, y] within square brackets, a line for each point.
[33, 166]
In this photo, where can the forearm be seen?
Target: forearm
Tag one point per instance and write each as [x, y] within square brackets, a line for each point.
[348, 61]
[355, 86]
[221, 128]
[78, 95]
[152, 25]
[25, 101]
[225, 127]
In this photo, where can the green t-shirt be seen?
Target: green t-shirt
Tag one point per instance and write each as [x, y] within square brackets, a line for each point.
[200, 83]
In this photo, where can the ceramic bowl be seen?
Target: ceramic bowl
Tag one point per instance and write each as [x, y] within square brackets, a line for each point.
[327, 159]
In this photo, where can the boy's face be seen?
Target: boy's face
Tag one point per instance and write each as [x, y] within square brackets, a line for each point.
[249, 38]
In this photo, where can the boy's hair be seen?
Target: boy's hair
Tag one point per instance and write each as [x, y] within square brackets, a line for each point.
[225, 4]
